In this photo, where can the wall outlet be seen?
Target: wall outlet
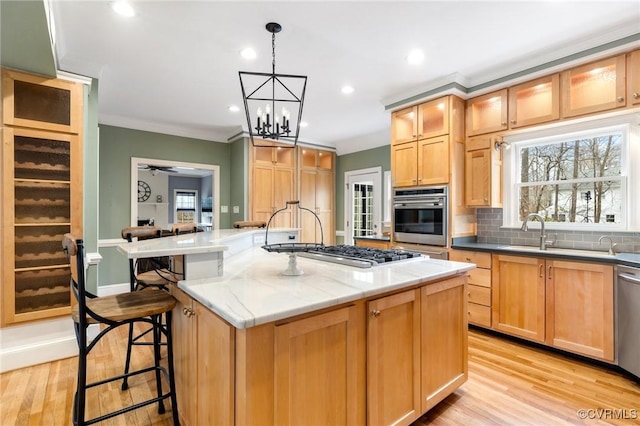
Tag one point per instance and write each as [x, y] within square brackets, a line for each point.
[236, 209]
[224, 209]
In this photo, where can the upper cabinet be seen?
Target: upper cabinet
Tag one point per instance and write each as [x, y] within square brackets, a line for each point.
[41, 192]
[633, 78]
[316, 193]
[534, 102]
[595, 87]
[487, 113]
[422, 121]
[41, 102]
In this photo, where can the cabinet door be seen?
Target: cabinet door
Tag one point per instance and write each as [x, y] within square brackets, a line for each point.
[307, 222]
[433, 161]
[518, 294]
[477, 178]
[444, 339]
[393, 359]
[184, 356]
[598, 86]
[433, 118]
[404, 164]
[315, 379]
[534, 102]
[487, 113]
[262, 192]
[633, 77]
[324, 198]
[215, 364]
[580, 308]
[41, 103]
[403, 125]
[282, 192]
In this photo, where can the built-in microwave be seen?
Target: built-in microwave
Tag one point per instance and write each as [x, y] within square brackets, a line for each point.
[420, 215]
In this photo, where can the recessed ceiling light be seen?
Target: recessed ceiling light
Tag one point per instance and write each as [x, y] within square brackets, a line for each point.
[303, 124]
[415, 57]
[123, 8]
[248, 53]
[233, 108]
[347, 90]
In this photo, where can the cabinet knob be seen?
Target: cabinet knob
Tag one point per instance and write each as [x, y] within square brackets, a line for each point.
[468, 259]
[188, 312]
[375, 313]
[620, 99]
[513, 121]
[636, 95]
[503, 124]
[486, 199]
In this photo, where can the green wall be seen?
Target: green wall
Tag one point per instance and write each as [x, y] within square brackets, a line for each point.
[117, 147]
[238, 183]
[380, 156]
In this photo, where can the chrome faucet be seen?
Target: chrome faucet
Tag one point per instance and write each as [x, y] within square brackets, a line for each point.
[525, 227]
[612, 246]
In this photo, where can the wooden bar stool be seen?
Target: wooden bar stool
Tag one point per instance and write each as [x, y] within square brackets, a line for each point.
[184, 228]
[112, 312]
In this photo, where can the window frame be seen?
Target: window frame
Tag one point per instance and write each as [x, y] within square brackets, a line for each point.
[628, 124]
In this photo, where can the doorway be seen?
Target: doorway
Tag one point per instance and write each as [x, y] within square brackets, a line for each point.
[209, 205]
[363, 203]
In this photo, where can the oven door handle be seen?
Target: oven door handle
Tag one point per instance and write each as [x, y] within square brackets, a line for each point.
[414, 204]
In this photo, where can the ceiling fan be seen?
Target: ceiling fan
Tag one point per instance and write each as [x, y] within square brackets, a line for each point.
[155, 169]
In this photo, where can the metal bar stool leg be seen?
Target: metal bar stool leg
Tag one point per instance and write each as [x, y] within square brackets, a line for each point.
[157, 323]
[172, 381]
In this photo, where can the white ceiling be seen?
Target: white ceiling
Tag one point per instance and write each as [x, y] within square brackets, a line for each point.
[173, 68]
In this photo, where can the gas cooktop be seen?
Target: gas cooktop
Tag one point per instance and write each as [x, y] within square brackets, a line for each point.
[361, 257]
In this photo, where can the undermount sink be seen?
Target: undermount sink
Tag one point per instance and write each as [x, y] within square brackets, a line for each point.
[560, 251]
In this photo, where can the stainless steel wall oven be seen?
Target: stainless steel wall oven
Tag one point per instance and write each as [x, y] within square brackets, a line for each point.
[420, 215]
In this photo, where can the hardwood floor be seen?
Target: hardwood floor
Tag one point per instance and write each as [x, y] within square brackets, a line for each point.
[509, 384]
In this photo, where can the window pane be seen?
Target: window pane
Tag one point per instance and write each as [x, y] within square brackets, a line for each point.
[587, 202]
[598, 156]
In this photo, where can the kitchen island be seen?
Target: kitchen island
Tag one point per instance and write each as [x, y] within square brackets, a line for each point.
[337, 345]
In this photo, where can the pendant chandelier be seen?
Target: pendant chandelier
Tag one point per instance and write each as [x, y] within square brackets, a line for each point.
[274, 101]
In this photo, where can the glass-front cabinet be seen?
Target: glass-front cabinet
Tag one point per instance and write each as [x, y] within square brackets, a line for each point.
[41, 193]
[595, 87]
[534, 102]
[487, 113]
[422, 121]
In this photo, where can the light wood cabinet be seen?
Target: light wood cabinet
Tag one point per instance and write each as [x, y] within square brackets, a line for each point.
[422, 121]
[518, 296]
[314, 379]
[487, 113]
[443, 340]
[41, 193]
[425, 162]
[483, 172]
[316, 193]
[594, 87]
[479, 285]
[580, 308]
[633, 78]
[534, 102]
[368, 242]
[272, 184]
[203, 354]
[565, 304]
[393, 359]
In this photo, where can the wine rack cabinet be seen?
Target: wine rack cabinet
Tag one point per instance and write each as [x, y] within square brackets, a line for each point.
[42, 194]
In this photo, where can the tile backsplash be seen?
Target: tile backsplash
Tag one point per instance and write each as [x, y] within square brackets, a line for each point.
[490, 231]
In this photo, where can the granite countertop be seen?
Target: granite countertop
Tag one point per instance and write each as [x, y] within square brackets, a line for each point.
[253, 291]
[628, 259]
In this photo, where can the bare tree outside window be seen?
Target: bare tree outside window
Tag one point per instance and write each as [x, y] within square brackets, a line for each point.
[573, 181]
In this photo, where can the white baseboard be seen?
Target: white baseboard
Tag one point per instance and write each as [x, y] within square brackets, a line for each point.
[24, 345]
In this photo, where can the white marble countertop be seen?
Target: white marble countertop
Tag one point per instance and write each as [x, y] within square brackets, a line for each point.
[253, 291]
[199, 242]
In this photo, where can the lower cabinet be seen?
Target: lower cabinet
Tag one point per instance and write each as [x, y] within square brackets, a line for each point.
[479, 280]
[416, 346]
[203, 354]
[367, 242]
[564, 304]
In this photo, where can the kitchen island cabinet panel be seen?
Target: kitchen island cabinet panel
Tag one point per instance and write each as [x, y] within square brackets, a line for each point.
[444, 340]
[315, 382]
[393, 359]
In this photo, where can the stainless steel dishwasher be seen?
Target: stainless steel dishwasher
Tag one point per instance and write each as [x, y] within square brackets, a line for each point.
[628, 318]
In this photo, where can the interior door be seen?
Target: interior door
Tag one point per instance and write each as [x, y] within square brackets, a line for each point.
[363, 208]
